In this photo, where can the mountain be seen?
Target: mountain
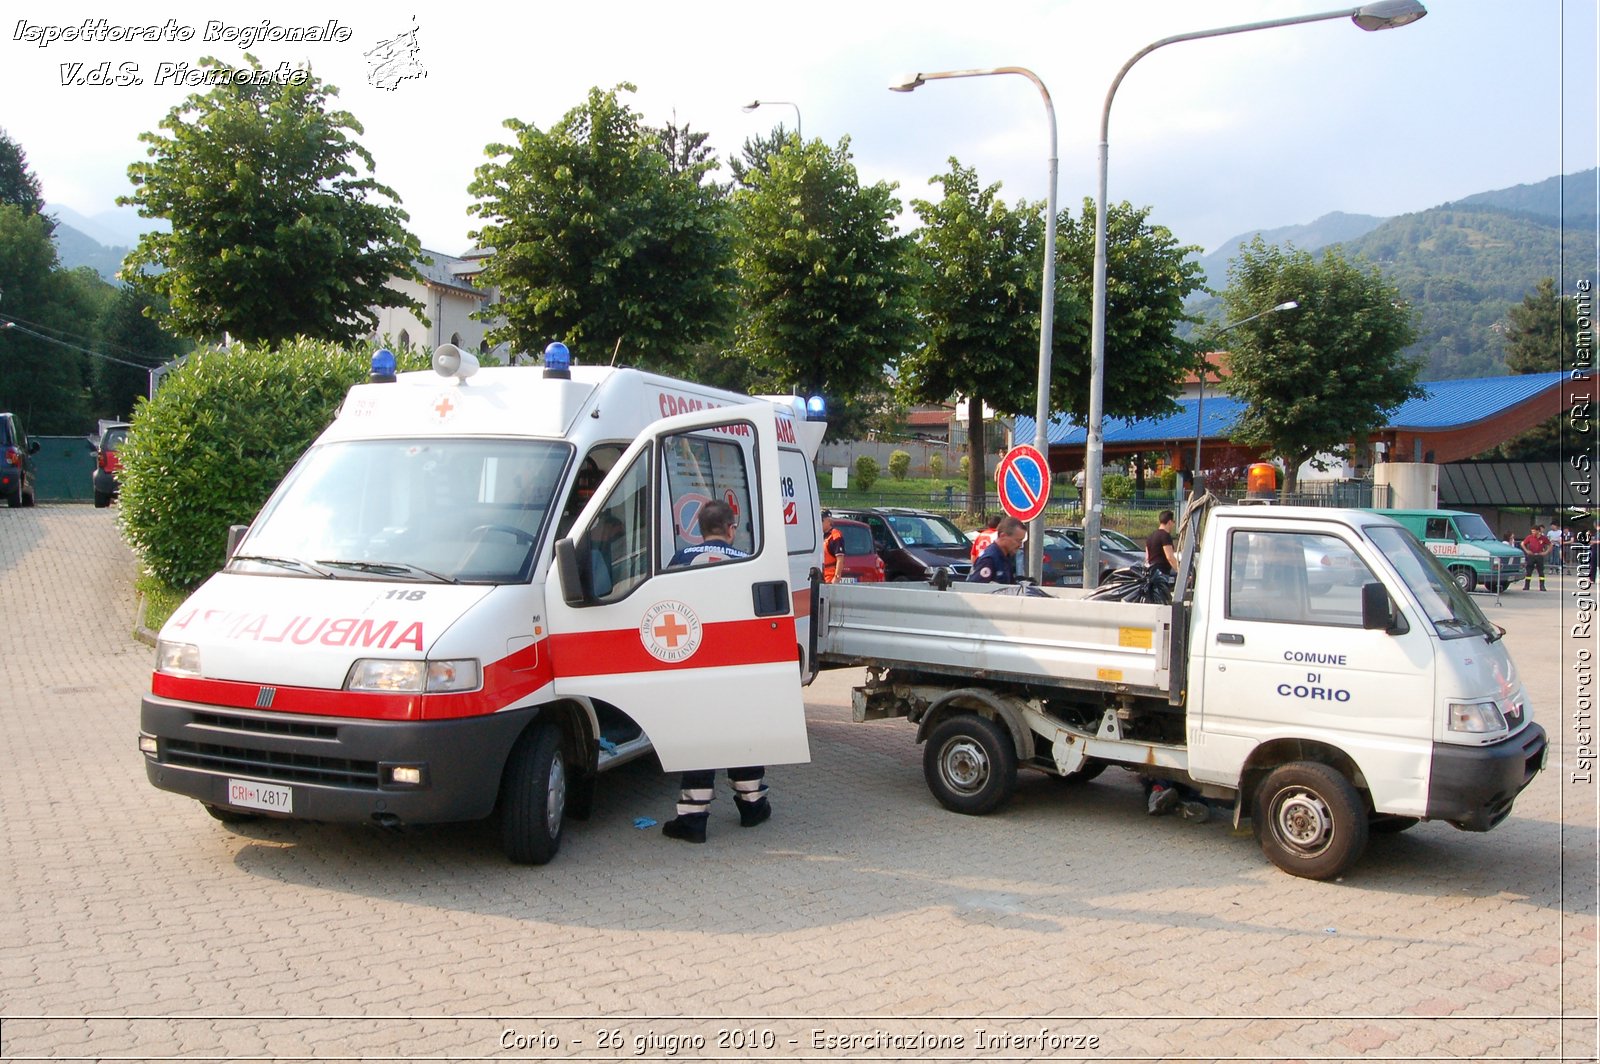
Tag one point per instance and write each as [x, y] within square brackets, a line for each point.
[1329, 229]
[118, 227]
[75, 248]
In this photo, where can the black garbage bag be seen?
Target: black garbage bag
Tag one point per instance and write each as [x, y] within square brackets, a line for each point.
[1025, 590]
[1136, 583]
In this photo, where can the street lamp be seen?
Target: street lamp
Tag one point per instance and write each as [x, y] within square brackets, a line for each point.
[1386, 14]
[1047, 300]
[753, 104]
[1200, 407]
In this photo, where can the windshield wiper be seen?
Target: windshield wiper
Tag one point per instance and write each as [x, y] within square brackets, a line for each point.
[283, 563]
[395, 569]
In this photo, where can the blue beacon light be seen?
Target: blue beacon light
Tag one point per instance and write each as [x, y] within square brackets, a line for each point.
[383, 367]
[816, 409]
[557, 361]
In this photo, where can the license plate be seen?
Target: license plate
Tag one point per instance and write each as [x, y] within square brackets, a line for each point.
[847, 580]
[267, 796]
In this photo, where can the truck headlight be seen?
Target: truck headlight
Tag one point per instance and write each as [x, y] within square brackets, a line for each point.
[177, 659]
[432, 677]
[1476, 717]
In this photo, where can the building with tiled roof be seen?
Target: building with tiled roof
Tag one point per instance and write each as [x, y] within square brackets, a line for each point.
[449, 296]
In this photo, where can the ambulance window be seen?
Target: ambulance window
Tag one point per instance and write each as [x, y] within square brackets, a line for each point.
[699, 470]
[1298, 578]
[591, 471]
[614, 552]
[1439, 528]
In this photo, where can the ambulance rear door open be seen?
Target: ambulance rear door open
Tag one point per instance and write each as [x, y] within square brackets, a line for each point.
[702, 656]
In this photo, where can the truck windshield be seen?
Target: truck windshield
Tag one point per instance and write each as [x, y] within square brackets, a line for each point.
[419, 510]
[1475, 529]
[1450, 609]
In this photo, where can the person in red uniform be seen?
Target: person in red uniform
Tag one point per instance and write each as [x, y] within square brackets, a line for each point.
[986, 537]
[1536, 546]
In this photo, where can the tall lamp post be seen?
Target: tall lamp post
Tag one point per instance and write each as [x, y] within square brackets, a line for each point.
[1205, 367]
[1047, 300]
[1383, 15]
[753, 104]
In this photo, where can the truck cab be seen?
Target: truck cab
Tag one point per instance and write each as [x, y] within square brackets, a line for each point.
[462, 599]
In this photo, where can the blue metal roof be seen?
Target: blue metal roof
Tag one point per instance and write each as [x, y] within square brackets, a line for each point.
[1443, 405]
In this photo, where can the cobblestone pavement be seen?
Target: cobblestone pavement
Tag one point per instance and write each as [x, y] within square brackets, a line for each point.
[861, 921]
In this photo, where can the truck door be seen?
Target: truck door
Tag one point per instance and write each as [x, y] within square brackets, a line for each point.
[1286, 657]
[703, 656]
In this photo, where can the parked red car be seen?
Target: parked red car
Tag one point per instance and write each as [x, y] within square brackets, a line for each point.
[107, 463]
[861, 562]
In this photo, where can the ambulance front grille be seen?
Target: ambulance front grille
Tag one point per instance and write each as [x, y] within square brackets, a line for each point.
[274, 765]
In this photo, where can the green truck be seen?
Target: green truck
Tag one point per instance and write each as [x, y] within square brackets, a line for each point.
[1464, 543]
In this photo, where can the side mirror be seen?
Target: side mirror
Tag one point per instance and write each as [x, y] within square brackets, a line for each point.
[1377, 610]
[236, 534]
[572, 592]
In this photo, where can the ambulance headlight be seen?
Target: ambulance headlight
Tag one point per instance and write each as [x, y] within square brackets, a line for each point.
[415, 677]
[1476, 717]
[177, 659]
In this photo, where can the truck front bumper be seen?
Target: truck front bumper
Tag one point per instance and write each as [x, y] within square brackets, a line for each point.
[1473, 787]
[338, 770]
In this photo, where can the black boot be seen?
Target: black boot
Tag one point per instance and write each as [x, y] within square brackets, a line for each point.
[753, 813]
[686, 828]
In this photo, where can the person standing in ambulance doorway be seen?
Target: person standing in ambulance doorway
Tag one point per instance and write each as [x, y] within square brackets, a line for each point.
[997, 564]
[697, 789]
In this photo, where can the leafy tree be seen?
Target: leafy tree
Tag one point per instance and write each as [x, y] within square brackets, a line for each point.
[1149, 275]
[1326, 374]
[275, 233]
[980, 307]
[1541, 335]
[19, 186]
[899, 464]
[600, 242]
[823, 279]
[936, 465]
[212, 445]
[44, 375]
[866, 472]
[753, 156]
[130, 333]
[685, 150]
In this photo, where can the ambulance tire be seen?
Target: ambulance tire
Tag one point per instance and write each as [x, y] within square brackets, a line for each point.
[533, 797]
[970, 764]
[1309, 820]
[224, 815]
[1465, 578]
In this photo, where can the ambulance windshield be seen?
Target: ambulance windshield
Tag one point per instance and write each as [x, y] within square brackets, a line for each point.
[431, 510]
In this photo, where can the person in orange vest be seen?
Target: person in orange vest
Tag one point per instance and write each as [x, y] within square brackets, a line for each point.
[832, 548]
[986, 537]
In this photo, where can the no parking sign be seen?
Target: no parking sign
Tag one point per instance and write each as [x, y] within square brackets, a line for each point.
[1023, 480]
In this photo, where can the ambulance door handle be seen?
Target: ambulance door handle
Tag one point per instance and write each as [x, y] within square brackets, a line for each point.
[1230, 637]
[771, 598]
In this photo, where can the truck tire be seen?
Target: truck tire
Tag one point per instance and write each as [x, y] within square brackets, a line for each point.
[1309, 820]
[970, 764]
[1465, 578]
[533, 797]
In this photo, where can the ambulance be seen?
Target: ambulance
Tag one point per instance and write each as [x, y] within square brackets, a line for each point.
[462, 601]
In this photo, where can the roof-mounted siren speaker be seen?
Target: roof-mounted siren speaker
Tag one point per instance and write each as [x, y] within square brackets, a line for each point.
[450, 361]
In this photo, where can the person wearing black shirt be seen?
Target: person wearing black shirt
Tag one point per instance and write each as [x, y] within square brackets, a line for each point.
[1158, 551]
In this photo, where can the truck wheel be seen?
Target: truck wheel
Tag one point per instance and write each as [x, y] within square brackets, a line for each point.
[1465, 578]
[533, 797]
[1092, 767]
[970, 765]
[1309, 820]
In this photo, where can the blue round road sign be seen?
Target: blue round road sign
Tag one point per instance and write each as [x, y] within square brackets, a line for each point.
[1023, 480]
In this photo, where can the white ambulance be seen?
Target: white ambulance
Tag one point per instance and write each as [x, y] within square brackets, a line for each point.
[462, 598]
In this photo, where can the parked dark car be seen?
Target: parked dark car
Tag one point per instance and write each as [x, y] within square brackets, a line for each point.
[16, 462]
[911, 542]
[107, 462]
[861, 562]
[1116, 550]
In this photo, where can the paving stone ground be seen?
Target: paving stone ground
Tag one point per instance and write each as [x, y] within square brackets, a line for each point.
[862, 921]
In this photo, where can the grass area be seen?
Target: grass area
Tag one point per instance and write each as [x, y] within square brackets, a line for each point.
[160, 600]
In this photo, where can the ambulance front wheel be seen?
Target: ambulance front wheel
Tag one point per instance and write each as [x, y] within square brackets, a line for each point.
[533, 797]
[970, 764]
[1309, 820]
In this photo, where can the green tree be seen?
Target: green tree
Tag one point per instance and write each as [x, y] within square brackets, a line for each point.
[866, 472]
[753, 156]
[899, 464]
[44, 372]
[825, 293]
[1325, 375]
[130, 332]
[1541, 335]
[980, 307]
[275, 231]
[1149, 275]
[600, 242]
[19, 186]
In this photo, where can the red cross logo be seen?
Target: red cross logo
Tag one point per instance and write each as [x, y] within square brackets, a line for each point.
[444, 406]
[671, 630]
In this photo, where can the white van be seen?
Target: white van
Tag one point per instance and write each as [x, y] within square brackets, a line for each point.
[461, 598]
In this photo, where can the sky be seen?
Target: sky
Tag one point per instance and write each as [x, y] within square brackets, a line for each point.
[1219, 136]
